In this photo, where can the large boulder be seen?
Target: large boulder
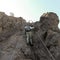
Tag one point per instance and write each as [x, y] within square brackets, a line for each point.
[49, 20]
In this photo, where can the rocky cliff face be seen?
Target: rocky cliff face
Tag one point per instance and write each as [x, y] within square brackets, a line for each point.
[49, 33]
[13, 41]
[8, 23]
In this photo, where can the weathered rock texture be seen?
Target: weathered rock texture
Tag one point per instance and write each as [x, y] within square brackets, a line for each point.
[12, 39]
[9, 25]
[13, 42]
[49, 32]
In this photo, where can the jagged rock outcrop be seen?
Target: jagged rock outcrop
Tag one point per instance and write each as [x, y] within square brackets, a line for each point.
[13, 41]
[49, 33]
[9, 25]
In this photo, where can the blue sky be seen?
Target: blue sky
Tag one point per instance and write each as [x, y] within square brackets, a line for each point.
[38, 7]
[30, 9]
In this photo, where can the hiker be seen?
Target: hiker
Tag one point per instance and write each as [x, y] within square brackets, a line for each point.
[29, 34]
